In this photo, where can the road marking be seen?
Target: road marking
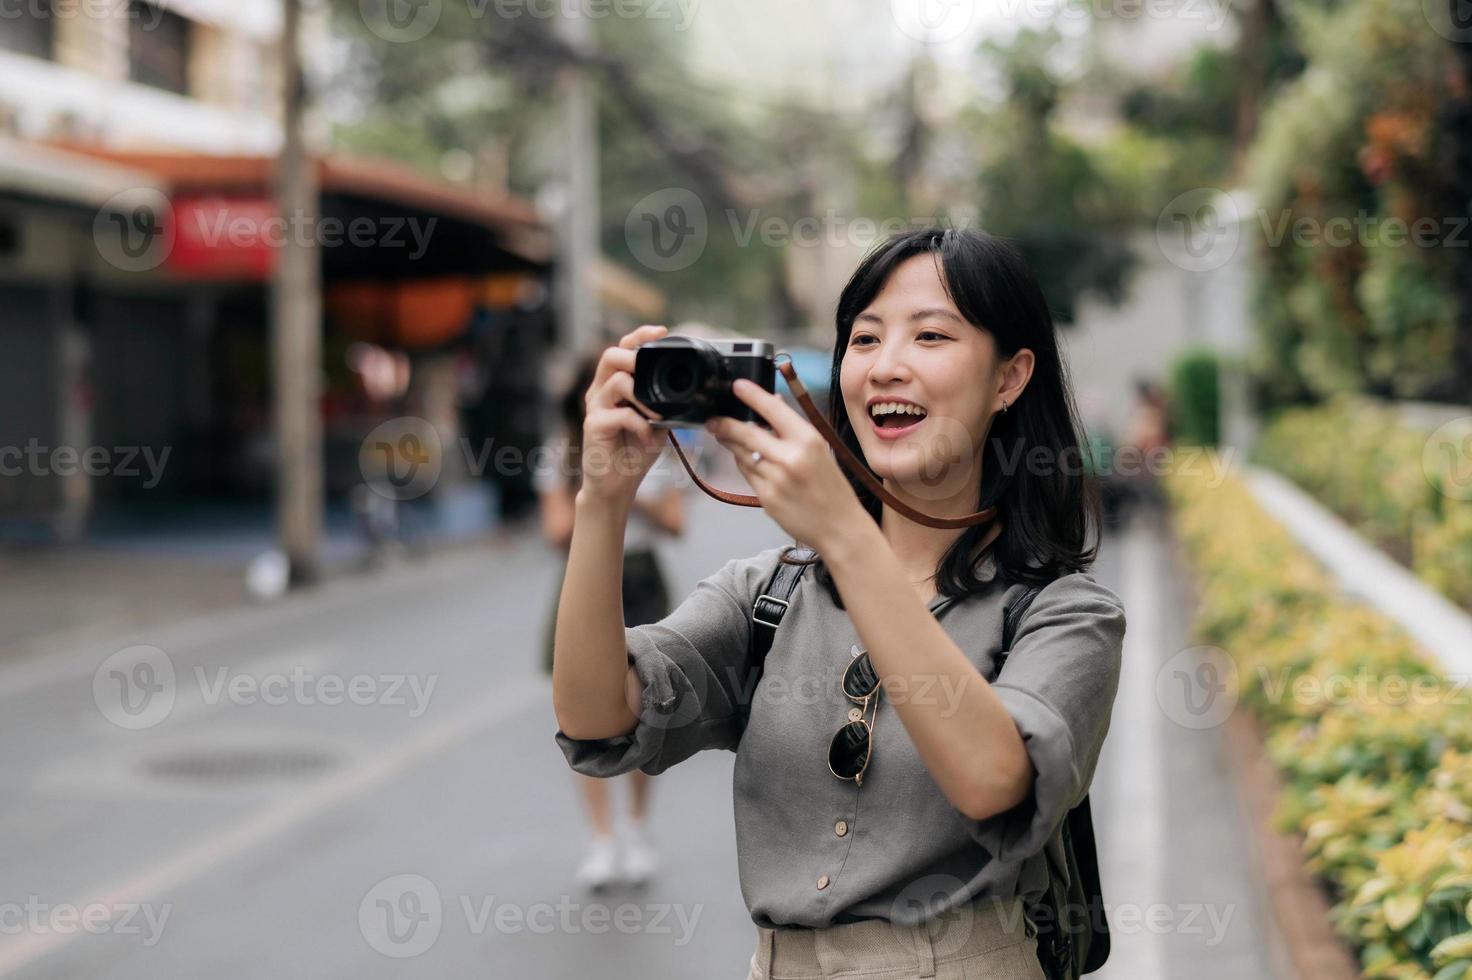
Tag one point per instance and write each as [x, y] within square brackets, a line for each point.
[272, 821]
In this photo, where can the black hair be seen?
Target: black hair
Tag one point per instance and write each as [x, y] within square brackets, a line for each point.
[572, 407]
[1046, 512]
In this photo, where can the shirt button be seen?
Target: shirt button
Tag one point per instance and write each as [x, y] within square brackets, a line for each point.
[841, 828]
[822, 881]
[854, 714]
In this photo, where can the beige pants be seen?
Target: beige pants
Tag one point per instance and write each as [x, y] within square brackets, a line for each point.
[985, 940]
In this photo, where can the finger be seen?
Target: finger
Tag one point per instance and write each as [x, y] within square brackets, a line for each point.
[621, 356]
[609, 421]
[770, 406]
[623, 392]
[612, 361]
[617, 391]
[641, 335]
[742, 438]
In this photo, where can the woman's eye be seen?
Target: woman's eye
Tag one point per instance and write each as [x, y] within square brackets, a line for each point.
[860, 339]
[932, 333]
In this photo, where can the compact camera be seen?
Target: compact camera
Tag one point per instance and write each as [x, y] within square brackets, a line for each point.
[688, 380]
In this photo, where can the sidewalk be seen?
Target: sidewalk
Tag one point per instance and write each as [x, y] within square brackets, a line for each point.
[139, 569]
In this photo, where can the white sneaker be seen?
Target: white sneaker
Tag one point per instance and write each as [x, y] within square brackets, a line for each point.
[640, 862]
[600, 865]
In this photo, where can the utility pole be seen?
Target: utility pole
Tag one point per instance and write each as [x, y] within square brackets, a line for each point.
[579, 308]
[296, 323]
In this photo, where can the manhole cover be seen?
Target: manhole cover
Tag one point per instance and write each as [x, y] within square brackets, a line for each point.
[240, 765]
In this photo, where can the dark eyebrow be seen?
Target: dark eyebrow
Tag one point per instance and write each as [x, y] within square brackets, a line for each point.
[917, 315]
[937, 312]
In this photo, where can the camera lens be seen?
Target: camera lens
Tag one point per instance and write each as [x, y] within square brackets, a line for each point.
[677, 381]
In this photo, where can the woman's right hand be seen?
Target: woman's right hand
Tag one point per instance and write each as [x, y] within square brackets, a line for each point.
[619, 444]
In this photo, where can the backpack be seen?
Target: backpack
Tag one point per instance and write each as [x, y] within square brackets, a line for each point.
[1074, 897]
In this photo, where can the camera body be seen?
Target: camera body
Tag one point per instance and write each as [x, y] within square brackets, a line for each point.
[688, 380]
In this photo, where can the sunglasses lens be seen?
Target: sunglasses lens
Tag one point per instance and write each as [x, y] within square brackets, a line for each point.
[850, 750]
[859, 680]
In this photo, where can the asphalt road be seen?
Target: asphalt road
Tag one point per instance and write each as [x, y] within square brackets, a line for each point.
[361, 782]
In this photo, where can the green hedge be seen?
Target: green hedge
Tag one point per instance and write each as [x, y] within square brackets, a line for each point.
[1196, 399]
[1375, 747]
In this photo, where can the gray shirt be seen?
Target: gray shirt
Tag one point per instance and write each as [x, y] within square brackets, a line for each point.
[815, 850]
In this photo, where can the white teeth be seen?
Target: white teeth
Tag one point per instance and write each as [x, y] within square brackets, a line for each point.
[889, 408]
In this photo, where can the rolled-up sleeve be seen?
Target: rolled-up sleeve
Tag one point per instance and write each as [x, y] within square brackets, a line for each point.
[695, 672]
[1059, 685]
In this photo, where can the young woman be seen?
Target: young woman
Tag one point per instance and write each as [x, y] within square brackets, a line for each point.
[912, 854]
[659, 509]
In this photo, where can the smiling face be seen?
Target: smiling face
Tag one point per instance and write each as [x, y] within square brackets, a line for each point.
[912, 347]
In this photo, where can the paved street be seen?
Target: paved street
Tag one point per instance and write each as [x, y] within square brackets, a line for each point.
[234, 837]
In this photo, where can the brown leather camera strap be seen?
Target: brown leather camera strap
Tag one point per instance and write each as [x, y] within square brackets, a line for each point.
[845, 457]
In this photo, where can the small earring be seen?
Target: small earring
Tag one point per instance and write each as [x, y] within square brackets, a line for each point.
[1004, 404]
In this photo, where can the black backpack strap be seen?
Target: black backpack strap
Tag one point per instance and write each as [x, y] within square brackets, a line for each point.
[1011, 619]
[766, 615]
[769, 608]
[1055, 949]
[1086, 856]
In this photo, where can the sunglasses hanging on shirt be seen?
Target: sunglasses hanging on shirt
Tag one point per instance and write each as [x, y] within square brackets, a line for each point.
[849, 752]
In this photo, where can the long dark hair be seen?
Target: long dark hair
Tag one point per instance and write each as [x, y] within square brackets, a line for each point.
[1045, 515]
[571, 407]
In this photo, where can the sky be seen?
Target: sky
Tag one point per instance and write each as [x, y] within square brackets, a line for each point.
[835, 52]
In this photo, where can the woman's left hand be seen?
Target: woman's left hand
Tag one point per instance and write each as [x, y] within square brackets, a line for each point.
[797, 479]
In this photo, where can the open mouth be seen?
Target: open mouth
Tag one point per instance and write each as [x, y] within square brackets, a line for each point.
[893, 419]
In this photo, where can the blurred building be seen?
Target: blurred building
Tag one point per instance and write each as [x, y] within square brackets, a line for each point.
[137, 221]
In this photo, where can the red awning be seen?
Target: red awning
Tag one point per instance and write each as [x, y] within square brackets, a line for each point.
[212, 191]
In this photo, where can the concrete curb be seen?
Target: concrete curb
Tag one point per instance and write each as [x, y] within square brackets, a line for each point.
[1442, 628]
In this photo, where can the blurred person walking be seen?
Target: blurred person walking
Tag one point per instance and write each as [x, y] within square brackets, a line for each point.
[1146, 437]
[659, 509]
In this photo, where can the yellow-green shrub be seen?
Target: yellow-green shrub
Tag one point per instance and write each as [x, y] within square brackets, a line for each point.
[1378, 771]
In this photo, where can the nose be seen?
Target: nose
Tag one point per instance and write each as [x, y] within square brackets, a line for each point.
[890, 365]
